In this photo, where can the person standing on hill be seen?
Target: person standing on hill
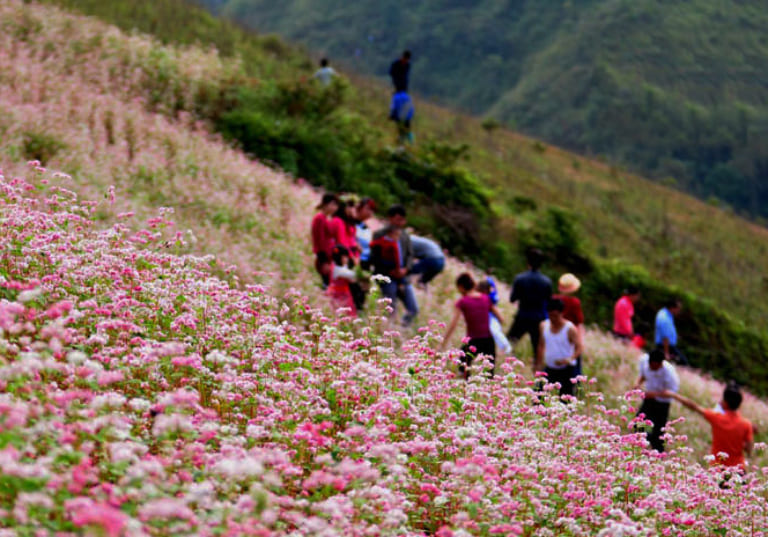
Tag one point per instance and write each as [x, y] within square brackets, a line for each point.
[660, 380]
[665, 335]
[567, 285]
[343, 229]
[476, 308]
[431, 259]
[399, 286]
[399, 72]
[559, 348]
[325, 74]
[732, 434]
[322, 237]
[531, 290]
[623, 312]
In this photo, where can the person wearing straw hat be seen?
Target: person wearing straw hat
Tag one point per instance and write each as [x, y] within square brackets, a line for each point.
[568, 285]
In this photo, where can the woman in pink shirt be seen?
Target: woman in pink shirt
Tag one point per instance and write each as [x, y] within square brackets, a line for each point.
[623, 313]
[475, 307]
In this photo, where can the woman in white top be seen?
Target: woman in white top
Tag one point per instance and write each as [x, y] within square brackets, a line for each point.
[559, 348]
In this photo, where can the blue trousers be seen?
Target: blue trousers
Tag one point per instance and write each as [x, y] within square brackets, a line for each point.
[428, 268]
[402, 289]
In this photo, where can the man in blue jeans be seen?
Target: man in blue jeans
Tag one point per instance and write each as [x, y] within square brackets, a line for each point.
[431, 259]
[665, 335]
[399, 286]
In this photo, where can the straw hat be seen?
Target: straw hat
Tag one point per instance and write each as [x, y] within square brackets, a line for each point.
[568, 283]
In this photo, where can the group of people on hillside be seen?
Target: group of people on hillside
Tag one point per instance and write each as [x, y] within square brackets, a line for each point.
[665, 331]
[401, 109]
[346, 250]
[345, 247]
[555, 325]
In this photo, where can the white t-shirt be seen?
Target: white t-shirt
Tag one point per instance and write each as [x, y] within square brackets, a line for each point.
[557, 346]
[343, 273]
[325, 75]
[664, 378]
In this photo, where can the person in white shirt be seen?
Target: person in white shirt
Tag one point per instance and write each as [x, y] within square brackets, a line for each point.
[325, 74]
[559, 348]
[659, 376]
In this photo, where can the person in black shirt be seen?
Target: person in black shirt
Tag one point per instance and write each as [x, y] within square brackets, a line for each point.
[531, 290]
[399, 70]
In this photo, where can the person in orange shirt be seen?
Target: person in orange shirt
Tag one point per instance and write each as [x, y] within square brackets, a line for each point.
[731, 433]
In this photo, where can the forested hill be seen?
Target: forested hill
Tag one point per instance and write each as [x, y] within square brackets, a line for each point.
[674, 89]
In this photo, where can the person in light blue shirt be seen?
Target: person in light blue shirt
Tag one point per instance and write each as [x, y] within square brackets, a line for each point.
[665, 335]
[431, 259]
[325, 74]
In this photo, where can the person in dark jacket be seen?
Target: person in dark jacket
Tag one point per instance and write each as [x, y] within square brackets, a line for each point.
[531, 290]
[399, 71]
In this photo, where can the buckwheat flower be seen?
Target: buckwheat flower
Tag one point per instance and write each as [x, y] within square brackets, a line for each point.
[93, 366]
[166, 423]
[27, 499]
[109, 377]
[108, 400]
[127, 451]
[108, 519]
[166, 509]
[29, 295]
[138, 404]
[257, 432]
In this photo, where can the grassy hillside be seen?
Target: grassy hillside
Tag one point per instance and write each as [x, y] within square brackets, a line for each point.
[609, 226]
[671, 89]
[170, 367]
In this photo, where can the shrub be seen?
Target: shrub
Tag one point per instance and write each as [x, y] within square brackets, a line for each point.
[40, 146]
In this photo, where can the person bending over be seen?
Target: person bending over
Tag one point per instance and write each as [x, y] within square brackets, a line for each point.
[476, 308]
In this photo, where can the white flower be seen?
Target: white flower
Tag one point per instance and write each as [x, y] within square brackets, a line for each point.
[380, 278]
[29, 294]
[76, 357]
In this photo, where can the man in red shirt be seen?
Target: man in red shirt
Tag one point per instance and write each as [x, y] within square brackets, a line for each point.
[732, 434]
[623, 313]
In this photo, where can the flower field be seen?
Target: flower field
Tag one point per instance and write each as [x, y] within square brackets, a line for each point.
[142, 395]
[169, 367]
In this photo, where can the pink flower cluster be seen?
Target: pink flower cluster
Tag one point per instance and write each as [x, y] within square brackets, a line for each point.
[143, 395]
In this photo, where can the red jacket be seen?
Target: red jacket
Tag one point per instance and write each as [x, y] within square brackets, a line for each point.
[322, 239]
[385, 255]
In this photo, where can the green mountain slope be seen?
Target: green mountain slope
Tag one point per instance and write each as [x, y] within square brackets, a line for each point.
[485, 193]
[672, 89]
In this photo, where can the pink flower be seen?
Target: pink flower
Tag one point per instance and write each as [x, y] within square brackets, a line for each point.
[109, 519]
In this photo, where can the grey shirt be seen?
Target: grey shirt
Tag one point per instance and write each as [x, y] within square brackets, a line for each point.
[406, 248]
